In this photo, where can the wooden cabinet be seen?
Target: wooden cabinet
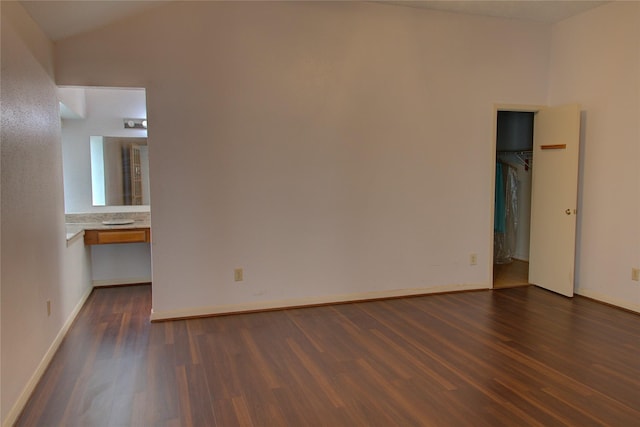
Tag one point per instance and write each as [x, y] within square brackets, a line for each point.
[121, 235]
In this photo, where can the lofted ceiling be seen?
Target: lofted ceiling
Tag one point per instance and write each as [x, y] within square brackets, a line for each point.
[546, 11]
[60, 19]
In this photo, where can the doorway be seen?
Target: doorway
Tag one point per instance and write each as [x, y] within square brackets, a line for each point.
[551, 215]
[106, 171]
[512, 199]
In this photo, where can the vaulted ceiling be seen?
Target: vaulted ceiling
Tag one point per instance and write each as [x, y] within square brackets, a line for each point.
[60, 19]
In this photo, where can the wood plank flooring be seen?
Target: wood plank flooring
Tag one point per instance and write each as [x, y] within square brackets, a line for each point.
[509, 357]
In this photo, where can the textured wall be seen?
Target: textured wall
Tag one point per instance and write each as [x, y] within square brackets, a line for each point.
[330, 149]
[33, 234]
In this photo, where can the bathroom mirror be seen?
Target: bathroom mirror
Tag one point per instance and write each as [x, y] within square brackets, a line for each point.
[119, 171]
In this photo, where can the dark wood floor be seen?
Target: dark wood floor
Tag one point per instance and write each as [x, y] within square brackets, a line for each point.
[513, 357]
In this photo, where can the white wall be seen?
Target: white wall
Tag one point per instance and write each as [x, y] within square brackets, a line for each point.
[600, 69]
[35, 259]
[120, 264]
[329, 149]
[76, 275]
[73, 102]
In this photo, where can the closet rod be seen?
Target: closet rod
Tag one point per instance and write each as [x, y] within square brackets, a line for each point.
[523, 158]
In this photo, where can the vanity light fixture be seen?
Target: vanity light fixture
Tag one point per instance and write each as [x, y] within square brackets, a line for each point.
[135, 123]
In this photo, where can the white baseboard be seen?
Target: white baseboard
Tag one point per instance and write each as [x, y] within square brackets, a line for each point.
[607, 299]
[21, 402]
[123, 281]
[311, 301]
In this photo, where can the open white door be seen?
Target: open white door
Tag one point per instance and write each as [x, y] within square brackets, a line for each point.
[554, 193]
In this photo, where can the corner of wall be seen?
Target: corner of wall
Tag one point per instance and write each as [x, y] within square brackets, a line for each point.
[41, 47]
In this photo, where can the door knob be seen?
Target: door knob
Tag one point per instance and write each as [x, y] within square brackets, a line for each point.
[568, 211]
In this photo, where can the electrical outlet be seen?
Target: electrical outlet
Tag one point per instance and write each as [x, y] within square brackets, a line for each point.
[48, 308]
[473, 259]
[635, 274]
[238, 275]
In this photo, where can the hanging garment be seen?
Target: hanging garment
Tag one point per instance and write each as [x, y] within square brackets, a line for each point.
[504, 241]
[499, 212]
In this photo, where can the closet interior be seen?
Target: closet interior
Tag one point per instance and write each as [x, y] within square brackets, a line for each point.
[512, 212]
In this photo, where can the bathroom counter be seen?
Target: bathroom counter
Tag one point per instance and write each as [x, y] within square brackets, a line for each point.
[98, 233]
[86, 224]
[120, 254]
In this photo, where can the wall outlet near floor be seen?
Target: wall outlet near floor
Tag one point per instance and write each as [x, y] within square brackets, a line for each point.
[635, 274]
[238, 275]
[48, 308]
[473, 259]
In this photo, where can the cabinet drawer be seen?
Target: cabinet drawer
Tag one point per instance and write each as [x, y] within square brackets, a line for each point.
[105, 237]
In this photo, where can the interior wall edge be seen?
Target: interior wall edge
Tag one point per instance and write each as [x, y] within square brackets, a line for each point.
[121, 281]
[597, 296]
[309, 302]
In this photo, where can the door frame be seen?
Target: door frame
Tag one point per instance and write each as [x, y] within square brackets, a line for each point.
[530, 108]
